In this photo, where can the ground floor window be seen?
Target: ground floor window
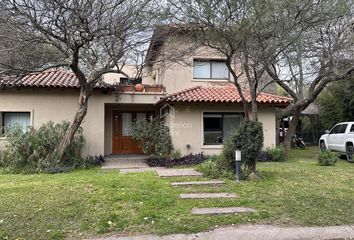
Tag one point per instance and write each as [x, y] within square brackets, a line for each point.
[218, 126]
[13, 119]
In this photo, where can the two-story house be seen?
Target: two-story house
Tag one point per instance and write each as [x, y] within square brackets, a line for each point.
[193, 95]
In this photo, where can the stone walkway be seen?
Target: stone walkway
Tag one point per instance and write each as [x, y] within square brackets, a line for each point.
[206, 195]
[182, 172]
[136, 170]
[198, 183]
[189, 172]
[257, 232]
[225, 210]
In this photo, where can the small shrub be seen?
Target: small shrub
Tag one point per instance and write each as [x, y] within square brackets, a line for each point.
[154, 137]
[176, 154]
[213, 157]
[277, 154]
[249, 139]
[327, 158]
[31, 151]
[265, 157]
[210, 168]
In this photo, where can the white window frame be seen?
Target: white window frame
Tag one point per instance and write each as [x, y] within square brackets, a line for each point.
[210, 61]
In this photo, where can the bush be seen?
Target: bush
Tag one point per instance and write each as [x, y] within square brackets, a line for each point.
[276, 154]
[265, 157]
[327, 158]
[154, 137]
[189, 159]
[176, 154]
[249, 139]
[31, 152]
[212, 168]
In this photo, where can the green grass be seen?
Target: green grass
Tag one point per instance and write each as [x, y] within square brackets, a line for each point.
[92, 202]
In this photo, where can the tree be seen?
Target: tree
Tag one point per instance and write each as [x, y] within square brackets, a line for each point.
[336, 103]
[17, 55]
[92, 37]
[321, 54]
[250, 34]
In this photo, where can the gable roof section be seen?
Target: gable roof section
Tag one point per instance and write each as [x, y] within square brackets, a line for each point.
[58, 78]
[225, 94]
[160, 35]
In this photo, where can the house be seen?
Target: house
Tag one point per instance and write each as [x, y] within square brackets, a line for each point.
[196, 100]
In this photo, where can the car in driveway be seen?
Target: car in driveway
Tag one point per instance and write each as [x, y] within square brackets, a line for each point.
[339, 139]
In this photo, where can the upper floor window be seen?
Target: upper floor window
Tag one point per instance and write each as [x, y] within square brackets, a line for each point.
[210, 69]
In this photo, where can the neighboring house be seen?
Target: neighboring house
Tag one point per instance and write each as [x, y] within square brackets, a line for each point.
[196, 100]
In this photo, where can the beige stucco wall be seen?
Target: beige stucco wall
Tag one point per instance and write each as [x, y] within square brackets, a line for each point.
[173, 67]
[130, 69]
[58, 105]
[187, 126]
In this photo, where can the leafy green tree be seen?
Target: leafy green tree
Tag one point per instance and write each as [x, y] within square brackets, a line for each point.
[336, 103]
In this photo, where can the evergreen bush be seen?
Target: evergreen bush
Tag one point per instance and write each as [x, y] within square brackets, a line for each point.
[31, 151]
[327, 158]
[154, 137]
[277, 154]
[249, 139]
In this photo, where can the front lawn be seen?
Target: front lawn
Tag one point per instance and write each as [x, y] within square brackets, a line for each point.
[88, 203]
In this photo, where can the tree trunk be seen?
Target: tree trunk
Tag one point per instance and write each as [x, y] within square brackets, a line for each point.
[296, 113]
[60, 151]
[252, 167]
[254, 107]
[313, 121]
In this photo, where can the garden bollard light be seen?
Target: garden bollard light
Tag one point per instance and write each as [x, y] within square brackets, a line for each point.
[238, 164]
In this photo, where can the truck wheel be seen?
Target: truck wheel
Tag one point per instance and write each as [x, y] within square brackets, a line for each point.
[323, 146]
[349, 153]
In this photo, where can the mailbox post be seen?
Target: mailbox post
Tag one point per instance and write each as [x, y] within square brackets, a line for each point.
[238, 164]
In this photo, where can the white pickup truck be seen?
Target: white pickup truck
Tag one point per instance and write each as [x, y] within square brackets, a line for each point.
[340, 139]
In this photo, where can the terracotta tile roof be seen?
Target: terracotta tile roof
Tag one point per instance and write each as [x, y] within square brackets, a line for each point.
[52, 78]
[225, 94]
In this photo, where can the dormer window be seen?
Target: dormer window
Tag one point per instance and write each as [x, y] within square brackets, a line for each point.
[210, 69]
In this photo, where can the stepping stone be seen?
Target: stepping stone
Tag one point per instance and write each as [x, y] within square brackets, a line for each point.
[198, 183]
[226, 210]
[137, 170]
[185, 172]
[206, 195]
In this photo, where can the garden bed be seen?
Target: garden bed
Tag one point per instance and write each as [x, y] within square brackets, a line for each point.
[190, 159]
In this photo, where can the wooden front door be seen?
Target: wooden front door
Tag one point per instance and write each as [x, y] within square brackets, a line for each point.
[122, 142]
